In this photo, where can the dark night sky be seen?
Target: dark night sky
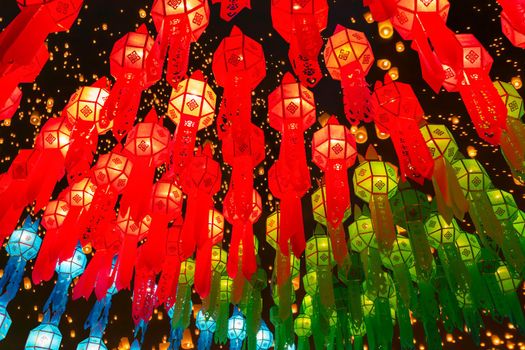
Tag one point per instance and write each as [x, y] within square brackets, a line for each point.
[82, 53]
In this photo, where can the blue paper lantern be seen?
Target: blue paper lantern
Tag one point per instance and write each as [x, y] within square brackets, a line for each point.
[236, 329]
[5, 322]
[44, 337]
[92, 343]
[264, 337]
[207, 325]
[74, 266]
[23, 245]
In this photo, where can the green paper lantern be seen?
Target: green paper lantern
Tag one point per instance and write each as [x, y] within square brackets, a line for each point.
[319, 206]
[302, 325]
[503, 204]
[440, 232]
[361, 233]
[307, 305]
[187, 272]
[318, 252]
[310, 282]
[471, 176]
[401, 253]
[512, 99]
[219, 258]
[375, 178]
[468, 247]
[506, 282]
[225, 289]
[272, 229]
[440, 141]
[519, 223]
[409, 206]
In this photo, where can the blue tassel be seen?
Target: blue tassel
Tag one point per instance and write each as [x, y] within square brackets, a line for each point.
[175, 338]
[207, 325]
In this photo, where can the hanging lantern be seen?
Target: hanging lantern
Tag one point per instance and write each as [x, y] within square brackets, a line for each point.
[11, 104]
[319, 206]
[147, 147]
[47, 336]
[508, 285]
[191, 108]
[397, 112]
[23, 246]
[485, 108]
[303, 330]
[92, 343]
[129, 66]
[512, 22]
[238, 66]
[206, 325]
[236, 329]
[512, 145]
[348, 57]
[300, 25]
[443, 148]
[231, 8]
[375, 182]
[178, 24]
[291, 111]
[334, 151]
[264, 337]
[361, 234]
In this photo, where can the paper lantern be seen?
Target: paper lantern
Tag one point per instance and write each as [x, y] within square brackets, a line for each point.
[291, 112]
[236, 329]
[92, 343]
[84, 108]
[303, 330]
[264, 337]
[512, 22]
[300, 24]
[348, 57]
[112, 171]
[334, 151]
[191, 108]
[44, 337]
[178, 24]
[206, 325]
[375, 182]
[134, 67]
[320, 259]
[397, 112]
[361, 234]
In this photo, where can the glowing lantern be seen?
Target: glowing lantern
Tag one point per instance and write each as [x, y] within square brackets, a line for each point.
[264, 337]
[47, 336]
[147, 147]
[348, 57]
[130, 66]
[112, 172]
[508, 285]
[512, 21]
[192, 108]
[361, 234]
[92, 343]
[231, 8]
[334, 151]
[397, 112]
[303, 330]
[319, 206]
[179, 23]
[300, 23]
[206, 325]
[291, 112]
[236, 329]
[23, 246]
[320, 259]
[375, 182]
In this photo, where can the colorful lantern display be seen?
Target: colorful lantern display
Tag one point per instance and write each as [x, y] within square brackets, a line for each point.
[348, 57]
[334, 151]
[291, 112]
[23, 246]
[178, 23]
[300, 23]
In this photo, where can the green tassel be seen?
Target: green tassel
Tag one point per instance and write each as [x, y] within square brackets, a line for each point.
[500, 307]
[209, 304]
[319, 323]
[370, 332]
[403, 284]
[406, 334]
[512, 250]
[326, 289]
[473, 322]
[285, 299]
[359, 342]
[383, 317]
[304, 343]
[182, 310]
[428, 312]
[486, 223]
[449, 306]
[480, 294]
[516, 311]
[221, 333]
[423, 258]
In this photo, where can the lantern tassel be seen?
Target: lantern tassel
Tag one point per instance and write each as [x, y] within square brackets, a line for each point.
[356, 94]
[126, 261]
[203, 269]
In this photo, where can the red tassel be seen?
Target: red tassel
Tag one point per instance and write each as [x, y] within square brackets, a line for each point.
[203, 270]
[68, 234]
[126, 261]
[152, 253]
[233, 255]
[137, 194]
[40, 188]
[88, 279]
[45, 263]
[249, 265]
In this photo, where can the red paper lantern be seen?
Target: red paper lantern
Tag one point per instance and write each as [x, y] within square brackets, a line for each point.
[147, 147]
[348, 57]
[134, 70]
[112, 170]
[231, 8]
[192, 108]
[397, 112]
[179, 22]
[300, 23]
[411, 13]
[513, 21]
[291, 110]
